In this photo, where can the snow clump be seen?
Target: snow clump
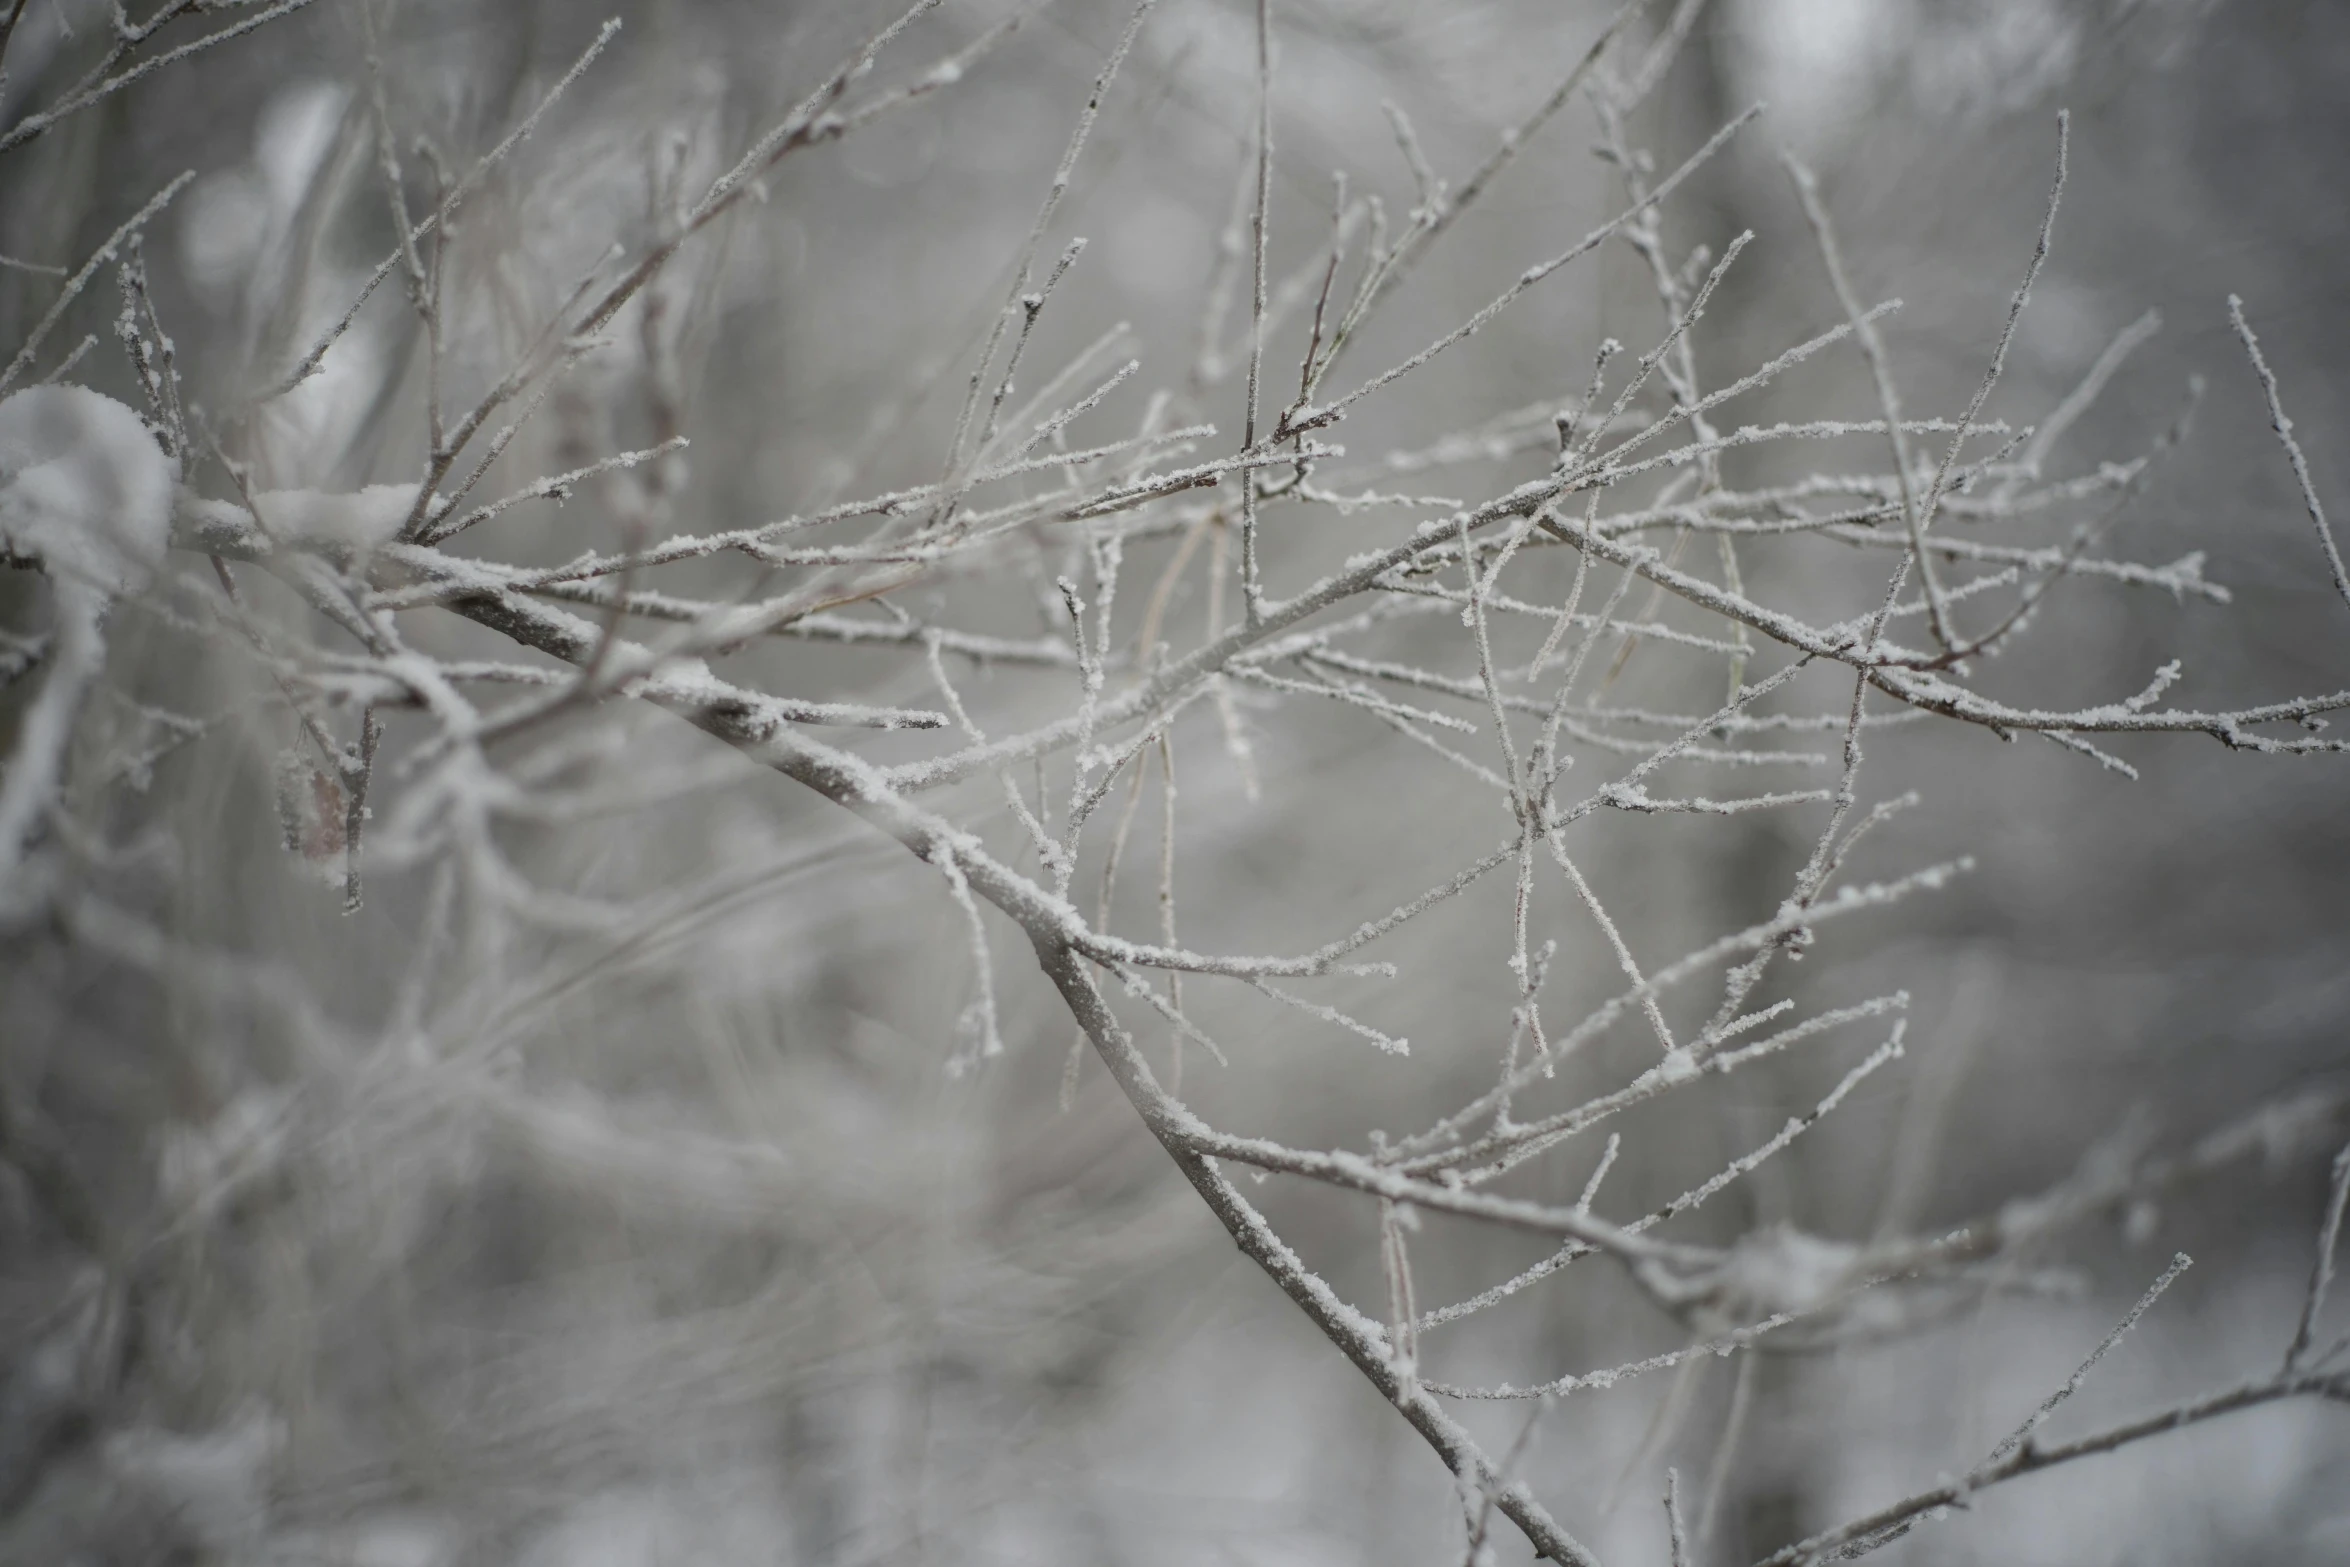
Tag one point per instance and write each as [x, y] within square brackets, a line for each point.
[84, 488]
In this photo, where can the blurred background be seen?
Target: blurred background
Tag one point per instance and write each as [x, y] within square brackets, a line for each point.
[711, 1260]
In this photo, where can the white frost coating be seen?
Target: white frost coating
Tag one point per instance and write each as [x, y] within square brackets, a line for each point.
[84, 489]
[361, 520]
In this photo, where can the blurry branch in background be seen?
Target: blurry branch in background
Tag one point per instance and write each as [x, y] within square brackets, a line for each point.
[2022, 1453]
[1518, 707]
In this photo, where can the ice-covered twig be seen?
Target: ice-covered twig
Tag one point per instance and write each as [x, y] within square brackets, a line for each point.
[2022, 1435]
[2284, 428]
[110, 76]
[1872, 347]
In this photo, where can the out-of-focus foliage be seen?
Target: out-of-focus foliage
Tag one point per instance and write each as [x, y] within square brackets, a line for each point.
[599, 1190]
